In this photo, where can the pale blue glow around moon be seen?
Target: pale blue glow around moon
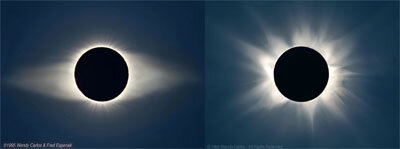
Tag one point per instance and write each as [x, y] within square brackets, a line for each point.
[147, 75]
[337, 53]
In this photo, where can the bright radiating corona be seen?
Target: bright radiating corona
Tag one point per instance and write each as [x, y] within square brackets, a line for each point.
[146, 75]
[264, 59]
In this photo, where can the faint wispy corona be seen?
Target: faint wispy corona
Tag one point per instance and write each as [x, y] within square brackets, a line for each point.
[56, 79]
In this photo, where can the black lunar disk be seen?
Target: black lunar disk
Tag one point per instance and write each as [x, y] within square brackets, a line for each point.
[301, 74]
[101, 74]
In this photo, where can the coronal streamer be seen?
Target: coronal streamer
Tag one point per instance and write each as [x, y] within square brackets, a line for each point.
[146, 75]
[262, 60]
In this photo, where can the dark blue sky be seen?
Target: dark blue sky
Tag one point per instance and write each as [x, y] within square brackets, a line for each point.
[38, 33]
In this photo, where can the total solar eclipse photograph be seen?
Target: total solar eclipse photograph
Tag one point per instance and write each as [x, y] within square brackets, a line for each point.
[199, 74]
[102, 74]
[302, 74]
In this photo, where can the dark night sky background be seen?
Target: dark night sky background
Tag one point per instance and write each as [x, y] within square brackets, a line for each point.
[197, 38]
[35, 33]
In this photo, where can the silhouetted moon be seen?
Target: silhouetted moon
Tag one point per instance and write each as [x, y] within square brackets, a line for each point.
[101, 74]
[301, 74]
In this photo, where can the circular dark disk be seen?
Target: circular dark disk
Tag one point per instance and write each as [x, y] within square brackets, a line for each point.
[101, 74]
[301, 74]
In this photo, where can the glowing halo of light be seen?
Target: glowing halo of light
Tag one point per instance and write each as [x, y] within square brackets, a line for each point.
[263, 60]
[146, 75]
